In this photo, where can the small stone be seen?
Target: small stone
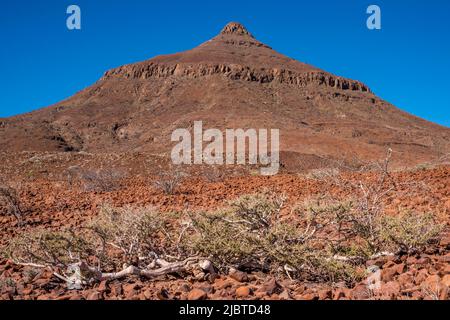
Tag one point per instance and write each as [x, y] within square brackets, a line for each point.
[360, 292]
[237, 275]
[432, 283]
[341, 293]
[94, 296]
[308, 297]
[446, 280]
[130, 290]
[243, 292]
[400, 268]
[325, 294]
[285, 295]
[390, 289]
[405, 280]
[421, 276]
[388, 274]
[148, 294]
[116, 289]
[76, 297]
[103, 286]
[163, 294]
[185, 287]
[270, 287]
[197, 294]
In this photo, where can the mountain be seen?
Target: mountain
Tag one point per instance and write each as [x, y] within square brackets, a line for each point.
[230, 81]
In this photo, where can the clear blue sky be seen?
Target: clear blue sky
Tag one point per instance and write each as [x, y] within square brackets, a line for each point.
[407, 63]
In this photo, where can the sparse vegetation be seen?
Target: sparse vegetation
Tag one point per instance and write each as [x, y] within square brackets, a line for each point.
[411, 232]
[168, 181]
[322, 239]
[10, 203]
[100, 180]
[250, 235]
[328, 241]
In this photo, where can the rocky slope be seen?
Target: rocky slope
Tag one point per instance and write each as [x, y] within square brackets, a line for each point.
[230, 81]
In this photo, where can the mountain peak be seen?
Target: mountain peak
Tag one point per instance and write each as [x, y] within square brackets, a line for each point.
[235, 28]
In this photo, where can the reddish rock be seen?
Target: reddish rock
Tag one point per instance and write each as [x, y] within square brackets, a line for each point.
[411, 260]
[421, 276]
[388, 274]
[341, 293]
[116, 289]
[27, 291]
[285, 295]
[162, 294]
[325, 294]
[388, 264]
[360, 292]
[130, 291]
[390, 289]
[400, 268]
[94, 295]
[148, 295]
[308, 297]
[270, 287]
[185, 287]
[445, 241]
[197, 294]
[405, 280]
[243, 292]
[102, 287]
[446, 280]
[432, 283]
[239, 276]
[445, 258]
[446, 269]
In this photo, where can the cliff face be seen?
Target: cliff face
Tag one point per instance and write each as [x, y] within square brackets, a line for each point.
[230, 81]
[235, 72]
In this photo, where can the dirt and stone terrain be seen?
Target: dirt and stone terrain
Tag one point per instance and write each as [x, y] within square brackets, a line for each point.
[364, 187]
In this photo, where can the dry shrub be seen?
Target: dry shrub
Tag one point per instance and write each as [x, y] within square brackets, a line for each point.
[359, 235]
[54, 248]
[250, 235]
[140, 234]
[101, 180]
[118, 235]
[10, 203]
[323, 174]
[169, 181]
[330, 240]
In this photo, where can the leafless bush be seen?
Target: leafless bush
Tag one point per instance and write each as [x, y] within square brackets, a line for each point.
[124, 241]
[101, 180]
[169, 181]
[359, 227]
[140, 234]
[10, 203]
[323, 174]
[49, 248]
